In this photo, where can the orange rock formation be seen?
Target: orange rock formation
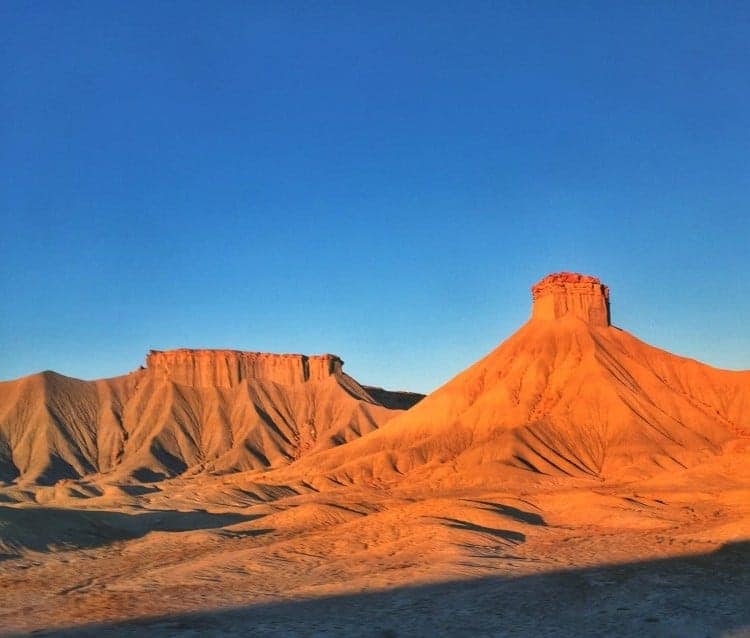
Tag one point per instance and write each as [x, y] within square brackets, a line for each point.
[570, 294]
[566, 395]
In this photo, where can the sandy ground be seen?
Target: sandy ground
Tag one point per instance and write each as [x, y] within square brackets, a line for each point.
[205, 557]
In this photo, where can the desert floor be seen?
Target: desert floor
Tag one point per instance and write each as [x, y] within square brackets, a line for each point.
[204, 556]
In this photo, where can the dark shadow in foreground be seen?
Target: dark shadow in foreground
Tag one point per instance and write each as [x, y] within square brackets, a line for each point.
[47, 528]
[703, 595]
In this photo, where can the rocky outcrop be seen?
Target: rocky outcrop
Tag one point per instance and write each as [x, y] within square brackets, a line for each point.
[567, 294]
[227, 368]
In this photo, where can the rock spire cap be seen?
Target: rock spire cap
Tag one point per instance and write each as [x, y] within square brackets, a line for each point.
[564, 294]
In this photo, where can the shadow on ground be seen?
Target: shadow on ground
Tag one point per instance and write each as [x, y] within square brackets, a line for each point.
[505, 534]
[46, 528]
[522, 516]
[704, 595]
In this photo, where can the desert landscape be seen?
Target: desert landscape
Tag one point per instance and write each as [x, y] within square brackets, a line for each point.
[575, 481]
[340, 319]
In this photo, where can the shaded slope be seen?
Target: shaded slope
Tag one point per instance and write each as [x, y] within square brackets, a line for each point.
[53, 427]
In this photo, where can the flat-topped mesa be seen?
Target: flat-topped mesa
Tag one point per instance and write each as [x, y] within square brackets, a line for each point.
[570, 294]
[227, 368]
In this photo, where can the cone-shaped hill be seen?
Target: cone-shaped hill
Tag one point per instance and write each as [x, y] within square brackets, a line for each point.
[215, 410]
[566, 395]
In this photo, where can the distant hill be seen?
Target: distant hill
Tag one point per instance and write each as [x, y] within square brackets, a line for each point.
[185, 411]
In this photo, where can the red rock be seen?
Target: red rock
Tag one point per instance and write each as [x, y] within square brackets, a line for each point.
[568, 294]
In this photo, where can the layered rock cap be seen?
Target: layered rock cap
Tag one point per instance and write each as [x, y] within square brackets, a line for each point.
[569, 294]
[227, 368]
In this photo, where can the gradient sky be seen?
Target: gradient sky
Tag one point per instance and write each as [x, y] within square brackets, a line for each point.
[382, 181]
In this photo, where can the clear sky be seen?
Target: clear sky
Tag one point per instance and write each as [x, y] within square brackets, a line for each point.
[383, 181]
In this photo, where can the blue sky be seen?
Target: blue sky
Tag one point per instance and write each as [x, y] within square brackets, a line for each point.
[383, 181]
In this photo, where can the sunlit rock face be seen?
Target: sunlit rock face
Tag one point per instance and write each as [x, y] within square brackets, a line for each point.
[567, 294]
[227, 368]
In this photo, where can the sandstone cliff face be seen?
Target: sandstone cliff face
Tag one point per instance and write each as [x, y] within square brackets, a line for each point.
[571, 294]
[228, 368]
